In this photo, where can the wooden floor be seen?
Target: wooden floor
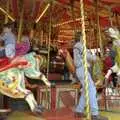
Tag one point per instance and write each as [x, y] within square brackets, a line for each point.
[17, 115]
[67, 114]
[62, 114]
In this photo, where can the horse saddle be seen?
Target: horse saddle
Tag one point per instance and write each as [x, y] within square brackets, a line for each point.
[5, 63]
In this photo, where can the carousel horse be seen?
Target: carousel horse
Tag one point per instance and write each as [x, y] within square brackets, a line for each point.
[12, 77]
[115, 34]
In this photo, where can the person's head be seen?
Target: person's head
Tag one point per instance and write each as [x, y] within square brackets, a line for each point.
[62, 44]
[107, 53]
[8, 27]
[78, 36]
[110, 44]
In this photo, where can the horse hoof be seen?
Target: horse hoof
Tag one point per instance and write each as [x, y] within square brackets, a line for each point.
[48, 83]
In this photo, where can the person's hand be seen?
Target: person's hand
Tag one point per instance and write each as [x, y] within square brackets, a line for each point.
[106, 76]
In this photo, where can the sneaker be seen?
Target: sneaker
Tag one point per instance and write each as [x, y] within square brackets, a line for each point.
[37, 111]
[41, 108]
[98, 117]
[80, 114]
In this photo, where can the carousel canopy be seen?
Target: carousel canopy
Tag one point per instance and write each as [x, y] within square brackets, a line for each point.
[65, 16]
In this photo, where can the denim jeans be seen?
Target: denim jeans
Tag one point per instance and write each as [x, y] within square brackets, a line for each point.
[92, 93]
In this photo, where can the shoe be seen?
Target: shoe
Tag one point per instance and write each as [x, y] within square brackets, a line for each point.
[37, 111]
[41, 107]
[98, 117]
[80, 114]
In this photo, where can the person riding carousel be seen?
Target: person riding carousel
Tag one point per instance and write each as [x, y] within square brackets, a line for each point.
[114, 33]
[9, 40]
[13, 74]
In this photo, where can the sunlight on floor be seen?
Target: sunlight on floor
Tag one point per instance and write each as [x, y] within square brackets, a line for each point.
[111, 115]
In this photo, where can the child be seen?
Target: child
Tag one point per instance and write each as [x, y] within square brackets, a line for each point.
[9, 40]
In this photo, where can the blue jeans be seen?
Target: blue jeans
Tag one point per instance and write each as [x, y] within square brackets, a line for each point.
[92, 93]
[8, 51]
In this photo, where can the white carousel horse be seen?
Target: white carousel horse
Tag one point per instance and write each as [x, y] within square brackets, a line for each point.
[115, 34]
[12, 78]
[114, 93]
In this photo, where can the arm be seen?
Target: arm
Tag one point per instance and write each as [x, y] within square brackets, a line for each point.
[3, 37]
[77, 57]
[113, 69]
[91, 57]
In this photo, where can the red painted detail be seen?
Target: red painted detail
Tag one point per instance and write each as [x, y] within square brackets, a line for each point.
[7, 64]
[116, 9]
[15, 7]
[104, 22]
[64, 1]
[37, 8]
[53, 99]
[61, 114]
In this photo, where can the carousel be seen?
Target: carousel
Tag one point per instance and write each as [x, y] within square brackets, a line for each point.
[38, 78]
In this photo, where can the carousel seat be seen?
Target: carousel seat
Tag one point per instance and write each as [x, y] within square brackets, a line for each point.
[5, 63]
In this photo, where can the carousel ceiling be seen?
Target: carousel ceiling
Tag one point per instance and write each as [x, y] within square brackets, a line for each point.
[65, 15]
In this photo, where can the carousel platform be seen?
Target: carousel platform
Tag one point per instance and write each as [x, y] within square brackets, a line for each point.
[60, 100]
[61, 114]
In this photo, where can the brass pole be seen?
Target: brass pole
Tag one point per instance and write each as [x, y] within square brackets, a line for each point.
[99, 38]
[7, 9]
[73, 15]
[41, 38]
[6, 13]
[117, 19]
[110, 15]
[88, 115]
[96, 23]
[90, 31]
[49, 39]
[20, 24]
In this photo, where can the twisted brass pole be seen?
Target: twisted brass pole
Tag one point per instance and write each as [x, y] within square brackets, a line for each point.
[85, 61]
[7, 9]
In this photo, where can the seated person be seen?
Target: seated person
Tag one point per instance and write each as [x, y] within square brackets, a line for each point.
[9, 39]
[107, 62]
[23, 47]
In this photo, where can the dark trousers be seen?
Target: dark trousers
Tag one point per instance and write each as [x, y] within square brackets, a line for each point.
[2, 53]
[114, 79]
